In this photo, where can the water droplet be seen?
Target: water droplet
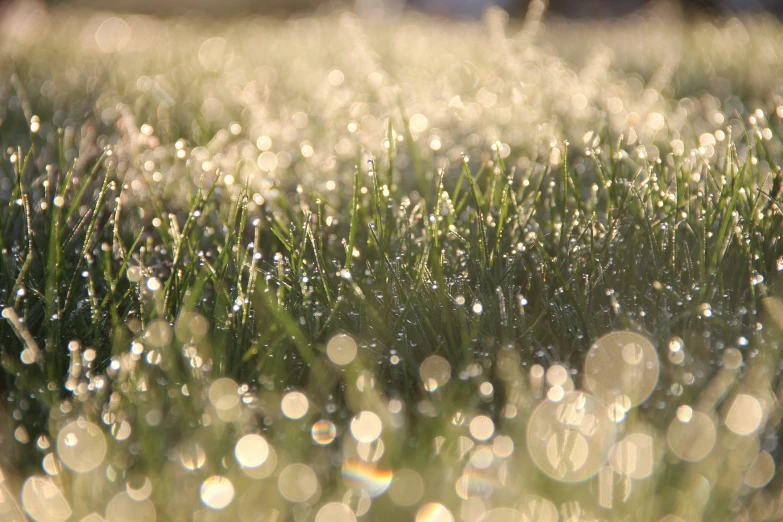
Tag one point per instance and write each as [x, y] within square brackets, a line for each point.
[294, 405]
[223, 394]
[141, 491]
[366, 427]
[251, 451]
[335, 512]
[217, 492]
[192, 457]
[435, 372]
[434, 512]
[43, 500]
[297, 483]
[570, 440]
[341, 349]
[482, 428]
[634, 456]
[761, 471]
[557, 375]
[622, 363]
[81, 446]
[745, 415]
[691, 439]
[323, 432]
[371, 478]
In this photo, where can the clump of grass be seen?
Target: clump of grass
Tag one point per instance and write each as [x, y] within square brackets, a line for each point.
[330, 281]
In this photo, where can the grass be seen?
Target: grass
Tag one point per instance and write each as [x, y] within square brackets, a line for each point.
[214, 230]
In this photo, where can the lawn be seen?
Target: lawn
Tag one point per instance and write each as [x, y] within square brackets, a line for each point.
[334, 268]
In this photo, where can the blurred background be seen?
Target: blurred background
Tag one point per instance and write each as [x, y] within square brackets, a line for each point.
[449, 8]
[595, 8]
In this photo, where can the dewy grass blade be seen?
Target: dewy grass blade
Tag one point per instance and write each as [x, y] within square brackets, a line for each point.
[205, 284]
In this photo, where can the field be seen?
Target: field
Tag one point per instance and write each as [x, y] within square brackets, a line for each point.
[341, 269]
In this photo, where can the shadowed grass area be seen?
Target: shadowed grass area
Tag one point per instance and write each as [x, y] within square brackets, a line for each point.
[327, 269]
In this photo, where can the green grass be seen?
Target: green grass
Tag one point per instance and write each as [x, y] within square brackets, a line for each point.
[183, 202]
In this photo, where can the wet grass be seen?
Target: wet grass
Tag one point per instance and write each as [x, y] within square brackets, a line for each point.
[213, 209]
